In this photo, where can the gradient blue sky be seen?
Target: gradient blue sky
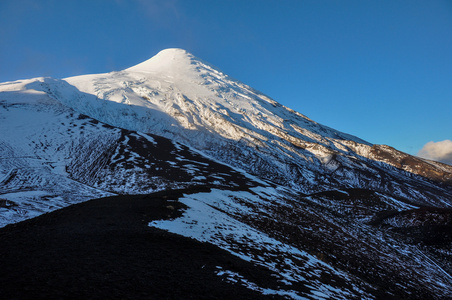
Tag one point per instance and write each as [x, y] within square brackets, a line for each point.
[381, 70]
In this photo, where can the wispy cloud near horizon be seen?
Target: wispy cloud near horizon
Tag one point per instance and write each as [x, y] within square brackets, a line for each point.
[439, 151]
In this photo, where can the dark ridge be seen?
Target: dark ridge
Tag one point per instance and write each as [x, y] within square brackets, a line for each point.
[104, 249]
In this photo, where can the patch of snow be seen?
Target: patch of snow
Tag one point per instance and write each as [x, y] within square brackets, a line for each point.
[235, 277]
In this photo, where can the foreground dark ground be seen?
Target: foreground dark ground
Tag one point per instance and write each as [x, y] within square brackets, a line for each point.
[103, 248]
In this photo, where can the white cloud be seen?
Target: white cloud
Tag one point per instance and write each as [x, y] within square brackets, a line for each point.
[439, 151]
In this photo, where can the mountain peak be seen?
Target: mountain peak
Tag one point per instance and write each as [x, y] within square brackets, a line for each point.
[173, 51]
[165, 60]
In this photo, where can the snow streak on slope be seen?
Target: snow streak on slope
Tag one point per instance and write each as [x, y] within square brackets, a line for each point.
[178, 96]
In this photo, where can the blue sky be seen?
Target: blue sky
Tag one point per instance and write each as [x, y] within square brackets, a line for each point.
[381, 70]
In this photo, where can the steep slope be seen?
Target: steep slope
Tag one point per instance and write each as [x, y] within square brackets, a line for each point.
[176, 95]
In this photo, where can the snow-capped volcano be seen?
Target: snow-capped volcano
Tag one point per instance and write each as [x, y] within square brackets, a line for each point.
[178, 96]
[198, 97]
[325, 214]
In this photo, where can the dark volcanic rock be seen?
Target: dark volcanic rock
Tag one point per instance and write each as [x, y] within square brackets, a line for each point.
[104, 249]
